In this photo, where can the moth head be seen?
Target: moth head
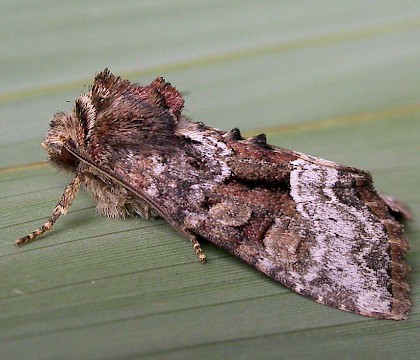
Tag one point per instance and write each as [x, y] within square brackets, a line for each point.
[64, 128]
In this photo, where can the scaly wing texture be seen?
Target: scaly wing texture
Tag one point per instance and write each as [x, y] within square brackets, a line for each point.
[317, 227]
[314, 226]
[334, 78]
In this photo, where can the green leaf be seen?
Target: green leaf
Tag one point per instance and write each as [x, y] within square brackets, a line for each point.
[335, 79]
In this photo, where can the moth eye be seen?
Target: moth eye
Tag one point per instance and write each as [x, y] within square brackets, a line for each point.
[66, 157]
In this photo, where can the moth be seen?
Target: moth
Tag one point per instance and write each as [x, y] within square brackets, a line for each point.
[316, 227]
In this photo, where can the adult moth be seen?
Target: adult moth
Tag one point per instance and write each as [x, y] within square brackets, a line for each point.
[315, 226]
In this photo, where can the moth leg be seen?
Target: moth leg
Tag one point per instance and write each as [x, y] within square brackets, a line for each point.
[196, 245]
[198, 250]
[60, 209]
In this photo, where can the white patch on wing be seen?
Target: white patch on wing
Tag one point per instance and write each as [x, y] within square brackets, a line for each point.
[158, 167]
[152, 191]
[339, 228]
[213, 151]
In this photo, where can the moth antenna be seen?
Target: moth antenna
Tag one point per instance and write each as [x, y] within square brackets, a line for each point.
[190, 236]
[60, 209]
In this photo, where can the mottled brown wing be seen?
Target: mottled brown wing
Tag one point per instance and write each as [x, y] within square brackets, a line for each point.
[315, 226]
[320, 229]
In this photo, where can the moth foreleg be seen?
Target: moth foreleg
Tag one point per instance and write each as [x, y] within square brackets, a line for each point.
[60, 209]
